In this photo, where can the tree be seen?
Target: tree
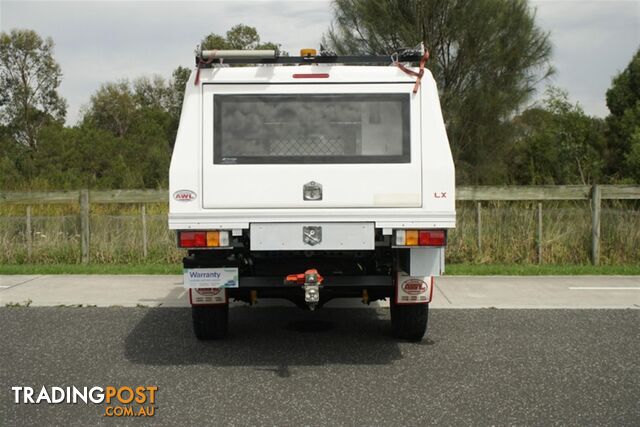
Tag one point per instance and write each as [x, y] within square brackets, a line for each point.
[632, 158]
[238, 37]
[623, 100]
[557, 144]
[143, 117]
[85, 157]
[486, 55]
[29, 80]
[112, 108]
[152, 92]
[10, 176]
[177, 85]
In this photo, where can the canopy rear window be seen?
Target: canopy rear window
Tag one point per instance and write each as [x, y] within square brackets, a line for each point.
[311, 128]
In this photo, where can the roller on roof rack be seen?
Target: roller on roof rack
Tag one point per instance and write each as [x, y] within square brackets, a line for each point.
[209, 58]
[239, 54]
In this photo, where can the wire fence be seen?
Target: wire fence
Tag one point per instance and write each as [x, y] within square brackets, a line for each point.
[132, 228]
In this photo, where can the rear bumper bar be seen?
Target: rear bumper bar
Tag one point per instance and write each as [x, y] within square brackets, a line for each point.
[338, 282]
[376, 287]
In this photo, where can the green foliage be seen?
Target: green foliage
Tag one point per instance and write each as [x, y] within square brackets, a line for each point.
[143, 118]
[126, 134]
[9, 172]
[557, 144]
[178, 82]
[239, 37]
[632, 158]
[29, 80]
[137, 122]
[623, 100]
[112, 108]
[123, 141]
[486, 55]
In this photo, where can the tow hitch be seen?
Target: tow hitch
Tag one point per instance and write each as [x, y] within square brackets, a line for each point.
[311, 282]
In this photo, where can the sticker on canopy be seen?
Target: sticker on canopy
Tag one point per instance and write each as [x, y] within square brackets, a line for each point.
[210, 278]
[184, 195]
[413, 290]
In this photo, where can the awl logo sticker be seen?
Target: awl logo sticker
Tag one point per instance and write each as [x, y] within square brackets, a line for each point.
[414, 287]
[413, 290]
[184, 195]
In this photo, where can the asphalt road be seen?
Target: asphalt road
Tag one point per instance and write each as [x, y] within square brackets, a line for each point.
[284, 366]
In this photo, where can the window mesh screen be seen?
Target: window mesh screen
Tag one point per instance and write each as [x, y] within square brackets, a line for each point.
[346, 128]
[307, 147]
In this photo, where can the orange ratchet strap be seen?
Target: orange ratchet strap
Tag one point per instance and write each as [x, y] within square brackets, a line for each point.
[417, 75]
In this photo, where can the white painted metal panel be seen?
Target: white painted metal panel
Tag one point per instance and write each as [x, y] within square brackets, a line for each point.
[437, 177]
[290, 236]
[280, 186]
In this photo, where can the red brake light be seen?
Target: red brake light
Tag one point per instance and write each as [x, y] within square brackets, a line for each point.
[193, 239]
[200, 239]
[432, 238]
[187, 239]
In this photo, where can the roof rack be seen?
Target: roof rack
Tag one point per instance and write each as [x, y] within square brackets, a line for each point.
[209, 58]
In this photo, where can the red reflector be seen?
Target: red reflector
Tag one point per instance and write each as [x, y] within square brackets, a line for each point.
[187, 239]
[200, 239]
[431, 238]
[193, 239]
[311, 76]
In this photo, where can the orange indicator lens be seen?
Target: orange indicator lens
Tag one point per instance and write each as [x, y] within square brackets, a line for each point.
[412, 238]
[213, 238]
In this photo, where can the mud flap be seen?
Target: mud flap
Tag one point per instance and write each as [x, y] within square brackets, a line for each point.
[208, 296]
[413, 289]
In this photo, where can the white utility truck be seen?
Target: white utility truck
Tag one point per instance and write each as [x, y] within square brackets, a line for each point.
[311, 178]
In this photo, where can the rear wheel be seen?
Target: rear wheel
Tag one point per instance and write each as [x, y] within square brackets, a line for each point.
[409, 321]
[210, 322]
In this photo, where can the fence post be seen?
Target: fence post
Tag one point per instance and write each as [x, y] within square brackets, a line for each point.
[143, 209]
[84, 226]
[29, 235]
[596, 204]
[539, 239]
[479, 226]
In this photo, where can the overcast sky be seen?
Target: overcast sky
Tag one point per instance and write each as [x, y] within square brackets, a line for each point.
[99, 41]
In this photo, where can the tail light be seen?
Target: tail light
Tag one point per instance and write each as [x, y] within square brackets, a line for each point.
[203, 239]
[420, 238]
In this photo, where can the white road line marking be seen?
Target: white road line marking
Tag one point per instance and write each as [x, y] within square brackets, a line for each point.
[602, 288]
[4, 287]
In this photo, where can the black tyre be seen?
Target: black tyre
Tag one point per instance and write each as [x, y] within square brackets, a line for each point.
[409, 322]
[210, 322]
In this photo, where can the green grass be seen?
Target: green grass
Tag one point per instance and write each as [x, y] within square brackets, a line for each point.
[91, 269]
[509, 235]
[540, 270]
[452, 269]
